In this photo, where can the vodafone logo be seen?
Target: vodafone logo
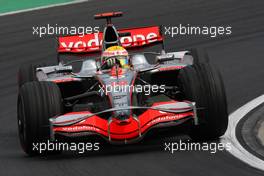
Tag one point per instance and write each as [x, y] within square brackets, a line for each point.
[138, 39]
[81, 45]
[166, 119]
[92, 42]
[80, 128]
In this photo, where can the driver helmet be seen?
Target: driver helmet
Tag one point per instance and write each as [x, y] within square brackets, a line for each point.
[120, 53]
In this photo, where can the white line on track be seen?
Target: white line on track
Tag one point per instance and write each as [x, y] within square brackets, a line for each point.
[43, 7]
[237, 149]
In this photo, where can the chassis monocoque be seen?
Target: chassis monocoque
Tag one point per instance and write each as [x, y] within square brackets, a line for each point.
[162, 89]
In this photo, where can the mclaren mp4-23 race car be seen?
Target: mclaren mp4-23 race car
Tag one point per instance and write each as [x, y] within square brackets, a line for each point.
[118, 95]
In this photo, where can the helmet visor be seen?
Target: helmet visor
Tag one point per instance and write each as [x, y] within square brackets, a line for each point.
[123, 61]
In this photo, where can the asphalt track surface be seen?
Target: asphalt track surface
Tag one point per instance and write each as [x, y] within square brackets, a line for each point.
[240, 58]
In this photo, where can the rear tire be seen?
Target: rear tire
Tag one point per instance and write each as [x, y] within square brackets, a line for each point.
[203, 84]
[199, 55]
[27, 73]
[37, 102]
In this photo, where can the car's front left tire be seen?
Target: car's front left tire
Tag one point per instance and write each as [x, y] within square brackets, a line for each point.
[37, 102]
[202, 84]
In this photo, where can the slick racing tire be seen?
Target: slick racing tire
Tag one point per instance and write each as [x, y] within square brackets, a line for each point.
[202, 84]
[199, 55]
[37, 102]
[27, 73]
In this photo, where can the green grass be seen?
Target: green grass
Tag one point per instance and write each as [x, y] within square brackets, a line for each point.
[14, 5]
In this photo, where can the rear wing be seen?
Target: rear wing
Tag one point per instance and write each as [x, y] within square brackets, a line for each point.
[138, 37]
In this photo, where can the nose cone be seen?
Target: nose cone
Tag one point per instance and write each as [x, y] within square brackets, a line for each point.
[123, 120]
[122, 115]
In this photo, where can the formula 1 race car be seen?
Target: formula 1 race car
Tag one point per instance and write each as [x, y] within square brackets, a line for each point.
[84, 98]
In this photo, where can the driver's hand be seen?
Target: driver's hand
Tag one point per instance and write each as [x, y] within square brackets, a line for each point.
[110, 62]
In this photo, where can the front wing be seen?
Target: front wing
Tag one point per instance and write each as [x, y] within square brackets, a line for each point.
[114, 130]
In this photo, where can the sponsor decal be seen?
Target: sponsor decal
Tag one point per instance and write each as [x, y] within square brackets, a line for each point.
[171, 68]
[92, 42]
[117, 97]
[80, 128]
[65, 80]
[119, 83]
[115, 53]
[166, 118]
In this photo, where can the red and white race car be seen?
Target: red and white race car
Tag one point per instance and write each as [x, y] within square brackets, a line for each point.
[157, 90]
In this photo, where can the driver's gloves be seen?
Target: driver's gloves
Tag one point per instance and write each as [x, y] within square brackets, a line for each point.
[110, 62]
